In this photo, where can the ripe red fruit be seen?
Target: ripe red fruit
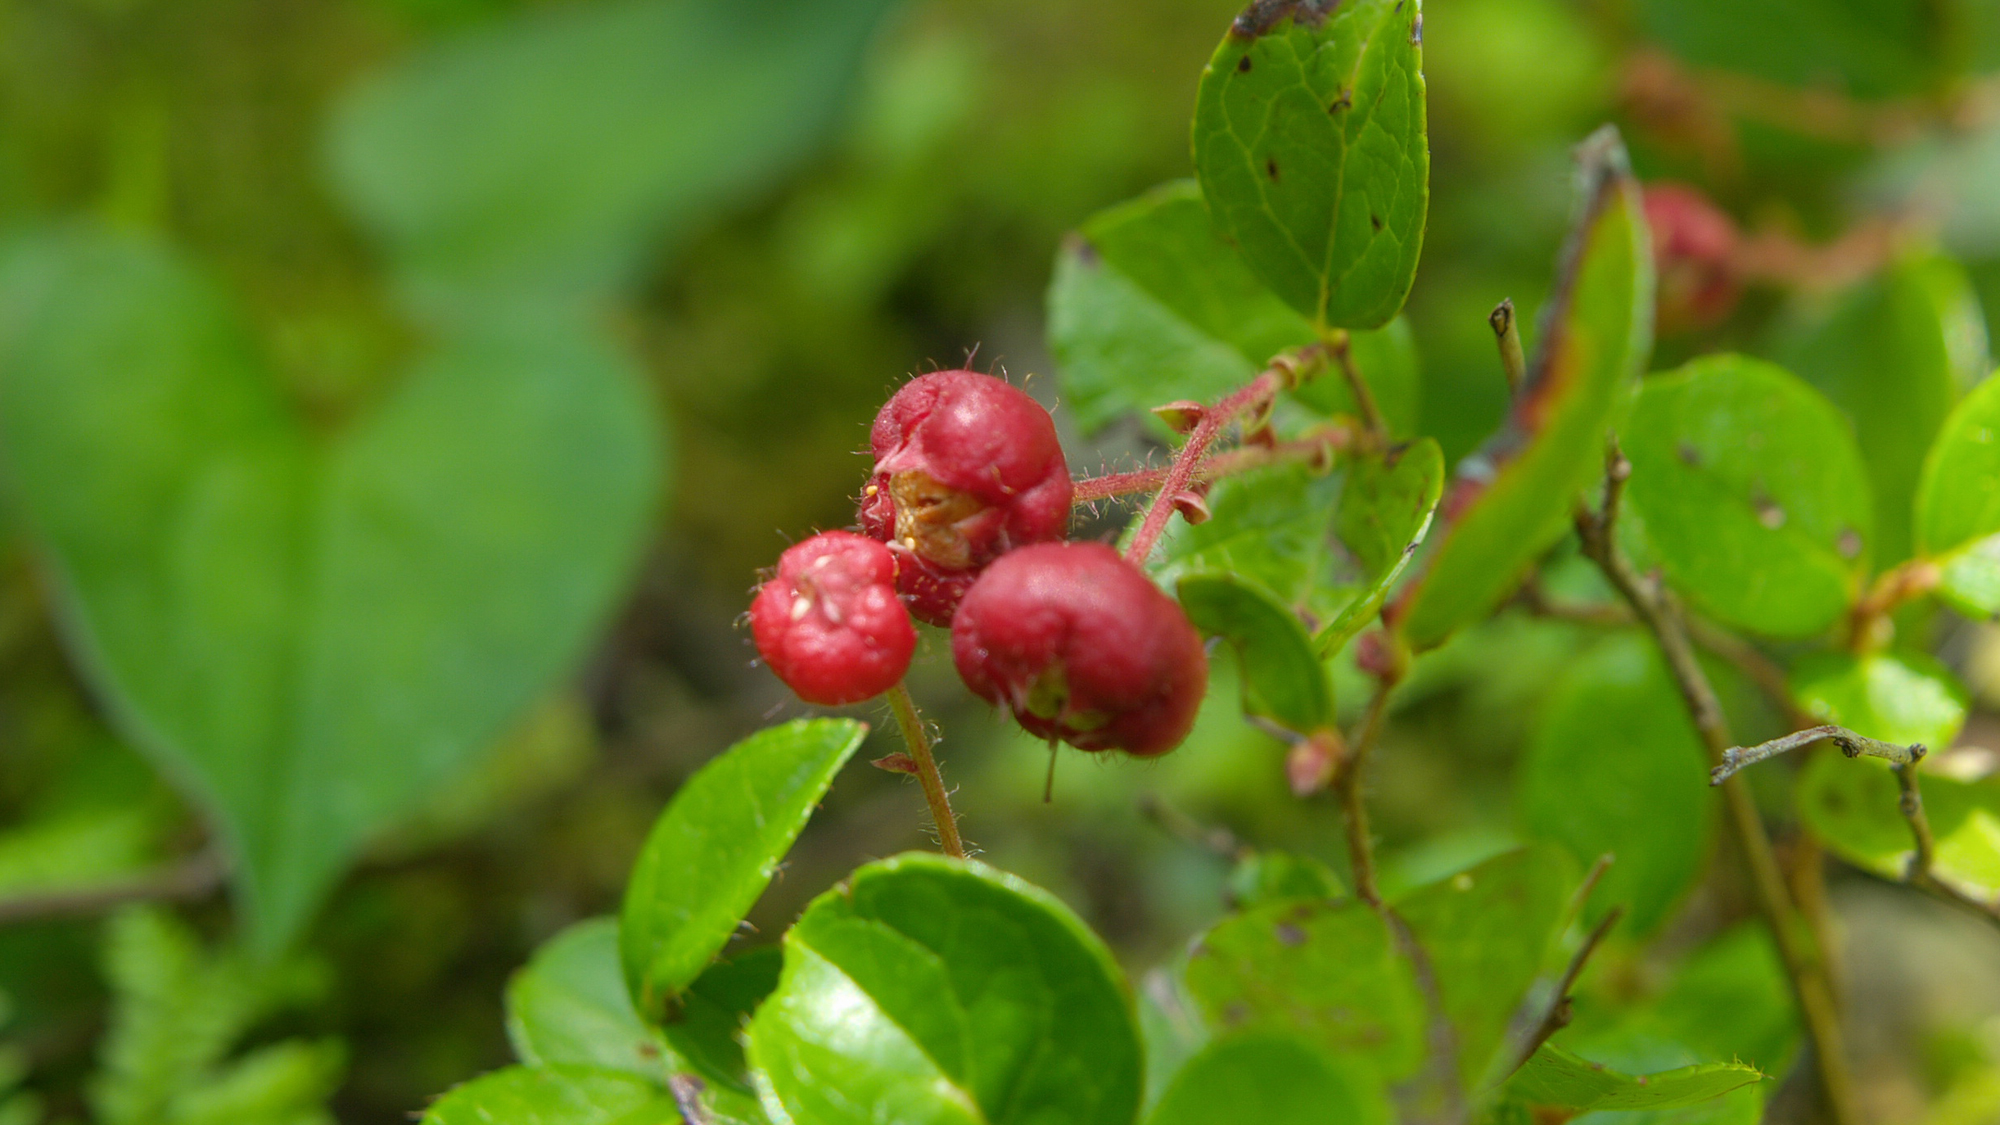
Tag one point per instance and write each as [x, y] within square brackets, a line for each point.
[829, 623]
[1695, 250]
[1081, 646]
[967, 467]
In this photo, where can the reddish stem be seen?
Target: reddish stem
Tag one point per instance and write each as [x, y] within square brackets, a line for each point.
[1182, 472]
[1320, 443]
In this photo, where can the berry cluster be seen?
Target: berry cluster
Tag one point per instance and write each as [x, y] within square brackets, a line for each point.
[965, 521]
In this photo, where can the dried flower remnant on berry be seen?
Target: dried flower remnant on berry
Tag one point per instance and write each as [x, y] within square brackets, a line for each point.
[967, 467]
[829, 622]
[1081, 646]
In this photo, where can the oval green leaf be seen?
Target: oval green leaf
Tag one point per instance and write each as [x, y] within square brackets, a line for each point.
[1958, 504]
[1855, 807]
[1486, 932]
[1260, 877]
[931, 990]
[1309, 141]
[1900, 697]
[568, 1005]
[553, 1095]
[1558, 1079]
[1512, 500]
[1385, 511]
[1282, 679]
[1271, 1079]
[1751, 495]
[1326, 971]
[1893, 354]
[551, 152]
[1271, 526]
[715, 848]
[310, 634]
[1614, 766]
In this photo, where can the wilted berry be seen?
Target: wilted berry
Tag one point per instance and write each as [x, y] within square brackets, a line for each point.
[967, 467]
[829, 622]
[1081, 646]
[1695, 251]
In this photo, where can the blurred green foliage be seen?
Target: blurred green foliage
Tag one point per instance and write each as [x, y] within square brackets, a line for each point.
[402, 234]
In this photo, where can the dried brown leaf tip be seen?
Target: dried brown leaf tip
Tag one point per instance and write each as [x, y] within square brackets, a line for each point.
[1261, 16]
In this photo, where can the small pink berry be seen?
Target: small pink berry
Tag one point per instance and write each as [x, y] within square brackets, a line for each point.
[1081, 646]
[829, 622]
[967, 467]
[1695, 250]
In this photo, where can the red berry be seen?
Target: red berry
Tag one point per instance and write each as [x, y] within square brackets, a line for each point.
[830, 624]
[1081, 646]
[967, 467]
[1695, 251]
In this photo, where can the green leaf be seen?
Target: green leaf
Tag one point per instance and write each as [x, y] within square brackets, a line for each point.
[568, 1005]
[1558, 1079]
[1900, 697]
[310, 634]
[1282, 678]
[1272, 876]
[1751, 494]
[1150, 305]
[1893, 355]
[715, 848]
[1385, 512]
[553, 1095]
[1741, 1106]
[1958, 504]
[1388, 363]
[555, 151]
[935, 990]
[1486, 932]
[1512, 500]
[1271, 526]
[1614, 766]
[1864, 48]
[1326, 971]
[1272, 1079]
[1310, 146]
[1855, 807]
[707, 1031]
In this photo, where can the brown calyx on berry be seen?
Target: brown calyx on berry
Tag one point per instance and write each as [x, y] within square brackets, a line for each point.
[967, 467]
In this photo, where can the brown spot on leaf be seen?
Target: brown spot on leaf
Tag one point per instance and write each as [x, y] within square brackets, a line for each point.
[1262, 15]
[1290, 935]
[1375, 221]
[1236, 1013]
[1344, 101]
[1243, 65]
[1768, 512]
[1687, 453]
[1848, 543]
[1271, 168]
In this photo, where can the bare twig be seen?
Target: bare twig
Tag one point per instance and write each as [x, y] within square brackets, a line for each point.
[1851, 744]
[919, 742]
[1660, 614]
[1347, 786]
[1911, 802]
[196, 877]
[1558, 1013]
[686, 1090]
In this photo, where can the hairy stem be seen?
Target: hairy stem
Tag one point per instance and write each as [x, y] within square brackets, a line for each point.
[1657, 611]
[1315, 448]
[919, 742]
[1182, 472]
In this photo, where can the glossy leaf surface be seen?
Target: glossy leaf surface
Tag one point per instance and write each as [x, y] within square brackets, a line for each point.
[935, 990]
[568, 1005]
[1386, 508]
[1512, 500]
[1270, 526]
[627, 121]
[1751, 493]
[1893, 355]
[1326, 971]
[1272, 1079]
[308, 635]
[1282, 678]
[1487, 931]
[1309, 141]
[1958, 503]
[553, 1095]
[1614, 766]
[1900, 697]
[715, 848]
[1559, 1079]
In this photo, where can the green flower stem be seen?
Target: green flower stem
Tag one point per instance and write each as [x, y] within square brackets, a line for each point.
[919, 742]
